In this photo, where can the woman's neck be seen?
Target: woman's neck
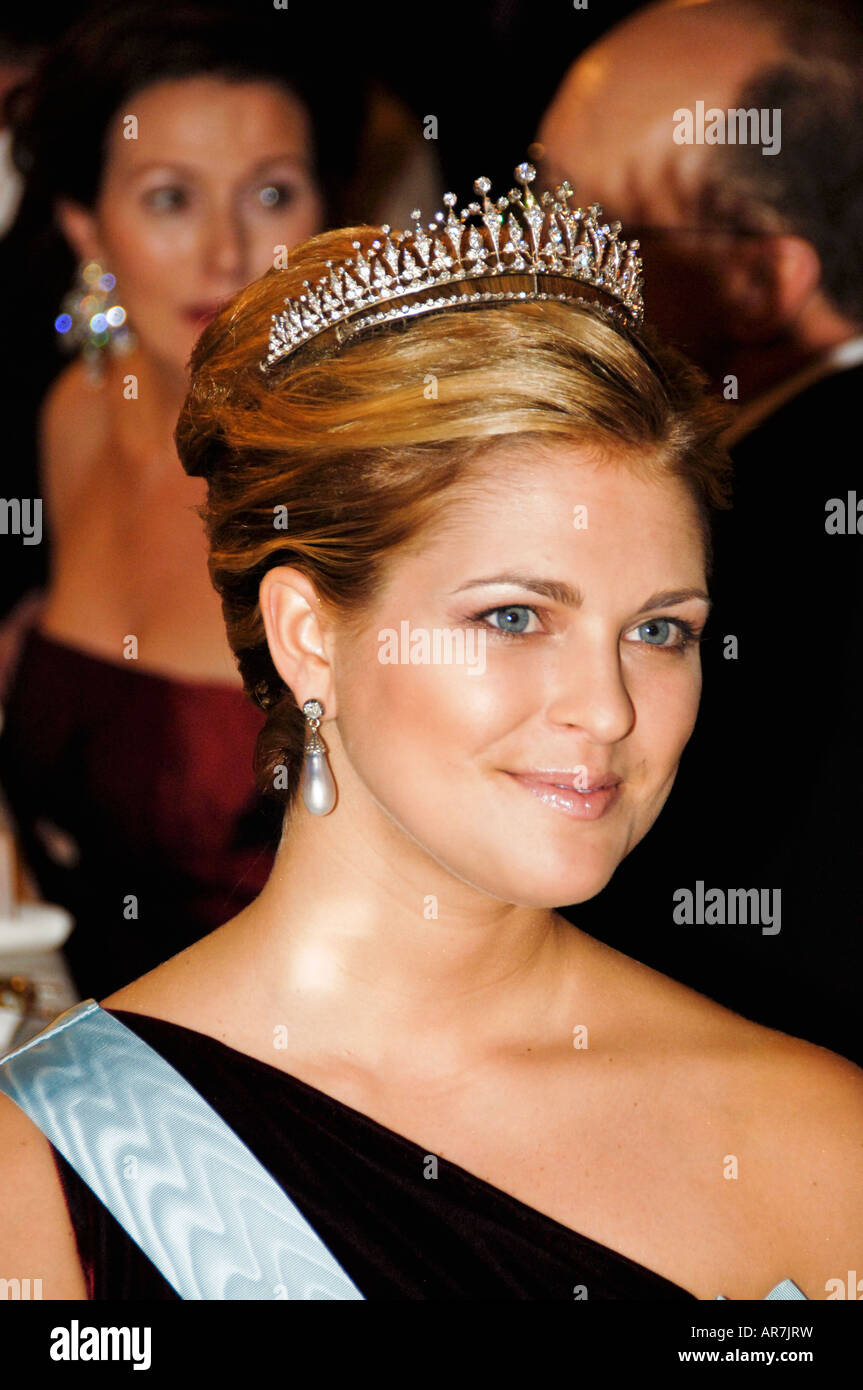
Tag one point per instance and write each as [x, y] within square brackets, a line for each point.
[146, 397]
[376, 952]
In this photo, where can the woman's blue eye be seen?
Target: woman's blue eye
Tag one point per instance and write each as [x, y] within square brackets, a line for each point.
[657, 631]
[515, 617]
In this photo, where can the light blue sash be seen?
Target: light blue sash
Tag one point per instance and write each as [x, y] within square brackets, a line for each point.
[166, 1165]
[786, 1289]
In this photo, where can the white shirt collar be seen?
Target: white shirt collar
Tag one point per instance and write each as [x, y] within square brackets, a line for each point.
[835, 359]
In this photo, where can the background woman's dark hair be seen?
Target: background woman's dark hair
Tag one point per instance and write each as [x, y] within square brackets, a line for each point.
[60, 119]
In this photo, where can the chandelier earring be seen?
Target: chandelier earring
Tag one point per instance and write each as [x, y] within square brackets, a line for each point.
[92, 321]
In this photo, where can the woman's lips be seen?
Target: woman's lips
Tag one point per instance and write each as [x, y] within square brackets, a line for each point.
[200, 314]
[589, 804]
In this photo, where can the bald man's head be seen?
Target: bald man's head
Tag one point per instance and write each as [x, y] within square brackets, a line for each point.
[610, 126]
[610, 130]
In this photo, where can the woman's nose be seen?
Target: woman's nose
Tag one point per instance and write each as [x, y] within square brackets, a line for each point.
[589, 691]
[225, 246]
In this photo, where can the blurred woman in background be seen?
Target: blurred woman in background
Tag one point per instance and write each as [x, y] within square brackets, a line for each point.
[181, 157]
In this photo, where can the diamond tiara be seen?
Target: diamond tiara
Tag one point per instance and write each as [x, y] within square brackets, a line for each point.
[416, 271]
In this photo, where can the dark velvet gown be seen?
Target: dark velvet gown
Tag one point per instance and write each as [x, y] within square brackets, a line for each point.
[396, 1233]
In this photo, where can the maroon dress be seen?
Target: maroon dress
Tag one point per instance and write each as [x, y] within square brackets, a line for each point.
[133, 796]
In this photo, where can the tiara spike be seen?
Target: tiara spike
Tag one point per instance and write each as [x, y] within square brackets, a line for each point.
[492, 219]
[422, 243]
[399, 274]
[525, 175]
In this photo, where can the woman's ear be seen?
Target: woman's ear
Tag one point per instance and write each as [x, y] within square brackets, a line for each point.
[78, 226]
[298, 636]
[771, 281]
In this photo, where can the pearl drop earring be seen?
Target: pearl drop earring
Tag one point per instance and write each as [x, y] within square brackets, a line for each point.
[318, 787]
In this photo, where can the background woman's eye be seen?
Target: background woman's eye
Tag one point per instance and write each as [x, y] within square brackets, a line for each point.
[167, 199]
[514, 618]
[276, 195]
[656, 632]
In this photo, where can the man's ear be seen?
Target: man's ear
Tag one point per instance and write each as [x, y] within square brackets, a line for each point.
[770, 281]
[78, 226]
[298, 636]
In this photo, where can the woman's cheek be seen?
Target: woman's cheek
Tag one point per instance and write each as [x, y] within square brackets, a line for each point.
[265, 241]
[145, 275]
[484, 694]
[666, 706]
[437, 703]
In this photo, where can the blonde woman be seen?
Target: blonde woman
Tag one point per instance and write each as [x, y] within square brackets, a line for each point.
[463, 1095]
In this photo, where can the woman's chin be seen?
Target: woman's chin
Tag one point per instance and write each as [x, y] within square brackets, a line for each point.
[553, 891]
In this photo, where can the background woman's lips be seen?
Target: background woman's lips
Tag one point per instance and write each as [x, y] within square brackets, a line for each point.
[201, 313]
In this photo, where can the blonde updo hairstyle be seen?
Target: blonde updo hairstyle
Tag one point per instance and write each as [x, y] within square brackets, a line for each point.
[361, 447]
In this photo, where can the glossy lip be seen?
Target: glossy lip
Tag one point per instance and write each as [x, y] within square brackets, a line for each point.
[587, 805]
[563, 777]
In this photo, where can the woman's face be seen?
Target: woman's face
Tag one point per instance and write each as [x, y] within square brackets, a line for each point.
[574, 585]
[218, 176]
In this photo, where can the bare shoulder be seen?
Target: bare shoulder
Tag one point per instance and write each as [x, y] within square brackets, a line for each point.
[797, 1096]
[160, 992]
[37, 1239]
[784, 1116]
[793, 1116]
[193, 987]
[804, 1146]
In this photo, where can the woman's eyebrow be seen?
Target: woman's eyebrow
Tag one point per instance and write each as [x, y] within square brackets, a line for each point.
[565, 594]
[554, 589]
[667, 598]
[170, 165]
